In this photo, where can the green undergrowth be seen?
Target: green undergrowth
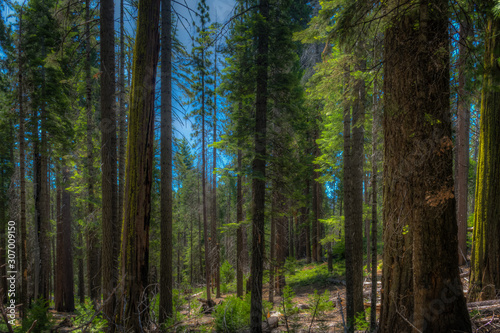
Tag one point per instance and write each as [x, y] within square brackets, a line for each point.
[316, 275]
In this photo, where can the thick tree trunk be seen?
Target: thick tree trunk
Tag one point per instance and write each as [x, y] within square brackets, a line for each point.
[110, 224]
[93, 246]
[462, 145]
[353, 194]
[421, 286]
[485, 271]
[374, 219]
[139, 171]
[122, 133]
[64, 294]
[166, 281]
[22, 178]
[259, 171]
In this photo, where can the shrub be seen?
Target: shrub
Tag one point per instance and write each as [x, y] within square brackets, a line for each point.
[232, 315]
[38, 311]
[227, 273]
[84, 313]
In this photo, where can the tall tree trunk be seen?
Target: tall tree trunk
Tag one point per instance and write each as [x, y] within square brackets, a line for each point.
[239, 220]
[64, 294]
[306, 225]
[215, 238]
[36, 194]
[81, 272]
[462, 137]
[206, 237]
[272, 245]
[375, 124]
[316, 225]
[110, 224]
[353, 194]
[166, 281]
[139, 171]
[22, 179]
[93, 246]
[122, 133]
[485, 271]
[259, 171]
[45, 253]
[421, 283]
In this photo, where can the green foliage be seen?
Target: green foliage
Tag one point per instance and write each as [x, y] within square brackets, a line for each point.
[227, 273]
[232, 314]
[360, 320]
[38, 311]
[316, 275]
[318, 306]
[84, 314]
[289, 309]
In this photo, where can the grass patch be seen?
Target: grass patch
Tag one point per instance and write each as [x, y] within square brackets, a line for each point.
[316, 274]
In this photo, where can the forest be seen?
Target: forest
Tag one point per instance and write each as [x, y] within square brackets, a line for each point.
[250, 166]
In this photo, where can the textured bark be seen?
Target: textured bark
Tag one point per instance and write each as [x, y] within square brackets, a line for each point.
[64, 294]
[139, 170]
[421, 282]
[92, 238]
[462, 138]
[485, 271]
[353, 194]
[306, 225]
[215, 238]
[316, 203]
[259, 171]
[314, 226]
[122, 132]
[166, 281]
[44, 230]
[239, 232]
[272, 246]
[206, 237]
[110, 223]
[81, 271]
[22, 179]
[374, 219]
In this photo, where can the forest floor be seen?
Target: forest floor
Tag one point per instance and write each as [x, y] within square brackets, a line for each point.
[309, 279]
[316, 304]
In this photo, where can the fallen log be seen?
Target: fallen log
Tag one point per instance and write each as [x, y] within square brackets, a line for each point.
[483, 303]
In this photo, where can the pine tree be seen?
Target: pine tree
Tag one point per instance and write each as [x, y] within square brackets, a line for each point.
[419, 207]
[166, 306]
[139, 171]
[485, 277]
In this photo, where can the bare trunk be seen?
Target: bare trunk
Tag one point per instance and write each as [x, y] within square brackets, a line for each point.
[64, 294]
[139, 170]
[462, 145]
[421, 282]
[166, 305]
[110, 223]
[259, 172]
[93, 246]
